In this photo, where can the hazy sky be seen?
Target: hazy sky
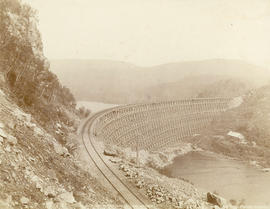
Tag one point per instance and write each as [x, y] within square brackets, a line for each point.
[150, 32]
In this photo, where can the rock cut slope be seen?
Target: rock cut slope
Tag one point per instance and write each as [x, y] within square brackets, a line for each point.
[38, 172]
[38, 120]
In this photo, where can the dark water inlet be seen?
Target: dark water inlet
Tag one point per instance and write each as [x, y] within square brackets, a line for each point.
[229, 178]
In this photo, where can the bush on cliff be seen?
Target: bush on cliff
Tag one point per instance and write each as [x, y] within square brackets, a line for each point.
[26, 70]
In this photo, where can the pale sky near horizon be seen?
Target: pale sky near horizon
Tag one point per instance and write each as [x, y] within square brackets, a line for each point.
[152, 32]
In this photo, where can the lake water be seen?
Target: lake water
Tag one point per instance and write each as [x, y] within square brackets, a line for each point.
[229, 178]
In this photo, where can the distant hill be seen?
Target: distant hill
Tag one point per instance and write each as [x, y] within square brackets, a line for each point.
[225, 88]
[120, 82]
[251, 120]
[200, 86]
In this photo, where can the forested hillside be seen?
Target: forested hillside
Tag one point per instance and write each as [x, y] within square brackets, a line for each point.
[250, 128]
[119, 82]
[225, 88]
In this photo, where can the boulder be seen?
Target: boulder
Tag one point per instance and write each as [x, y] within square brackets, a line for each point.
[190, 203]
[11, 125]
[215, 199]
[180, 204]
[266, 169]
[31, 125]
[12, 140]
[140, 184]
[159, 194]
[49, 204]
[52, 174]
[238, 135]
[67, 197]
[24, 200]
[110, 152]
[159, 200]
[38, 131]
[22, 115]
[60, 149]
[50, 191]
[7, 148]
[1, 92]
[39, 186]
[116, 160]
[3, 133]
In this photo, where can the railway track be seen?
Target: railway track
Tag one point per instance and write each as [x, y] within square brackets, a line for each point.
[131, 199]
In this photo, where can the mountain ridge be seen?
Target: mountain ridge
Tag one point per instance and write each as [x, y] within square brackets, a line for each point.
[121, 82]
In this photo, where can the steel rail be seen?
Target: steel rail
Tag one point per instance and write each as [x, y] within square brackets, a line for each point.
[125, 192]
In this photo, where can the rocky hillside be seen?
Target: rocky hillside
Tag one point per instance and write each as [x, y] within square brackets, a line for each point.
[36, 171]
[38, 123]
[242, 132]
[24, 71]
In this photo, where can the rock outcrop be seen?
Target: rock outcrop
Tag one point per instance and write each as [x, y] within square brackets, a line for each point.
[215, 200]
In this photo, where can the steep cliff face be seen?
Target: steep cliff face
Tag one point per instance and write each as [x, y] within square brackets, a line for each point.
[24, 71]
[38, 122]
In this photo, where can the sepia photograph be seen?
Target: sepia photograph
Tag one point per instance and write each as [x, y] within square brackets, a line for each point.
[134, 104]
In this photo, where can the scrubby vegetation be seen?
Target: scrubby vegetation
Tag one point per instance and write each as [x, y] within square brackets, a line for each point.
[84, 112]
[38, 122]
[25, 70]
[225, 88]
[251, 119]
